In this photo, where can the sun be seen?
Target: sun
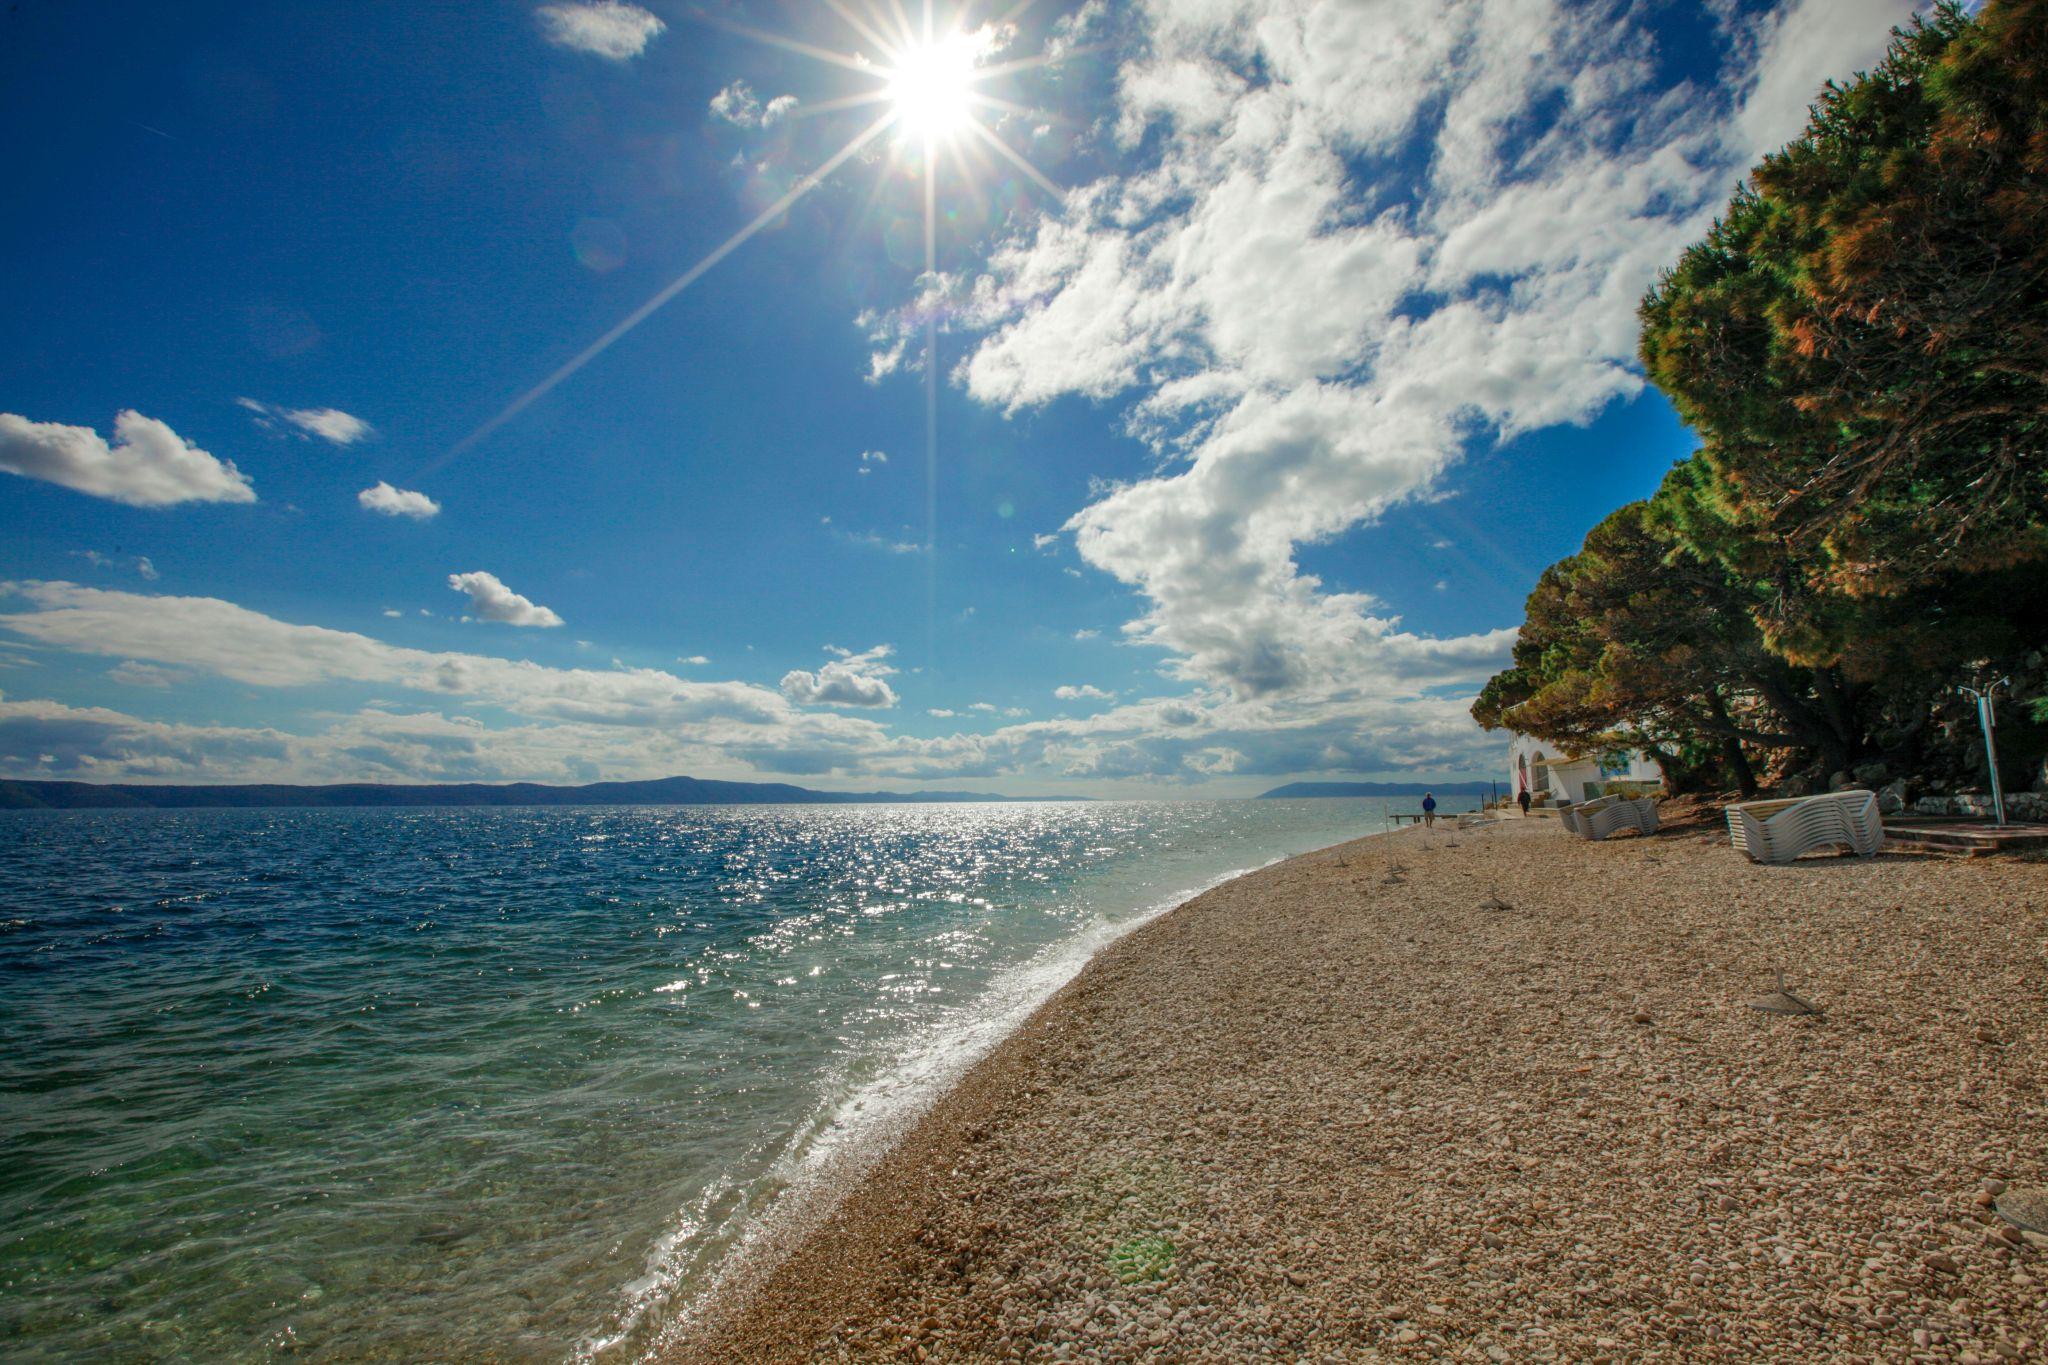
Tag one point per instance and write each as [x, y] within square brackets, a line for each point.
[931, 87]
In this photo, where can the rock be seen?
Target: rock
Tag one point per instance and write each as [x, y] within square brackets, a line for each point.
[1641, 1017]
[1941, 1264]
[1869, 774]
[1994, 1187]
[2025, 1208]
[1891, 798]
[1839, 782]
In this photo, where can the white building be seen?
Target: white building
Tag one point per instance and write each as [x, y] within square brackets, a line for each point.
[1541, 768]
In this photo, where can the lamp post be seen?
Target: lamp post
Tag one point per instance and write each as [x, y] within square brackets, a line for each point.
[1988, 719]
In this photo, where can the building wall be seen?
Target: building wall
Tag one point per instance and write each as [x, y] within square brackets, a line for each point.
[1543, 768]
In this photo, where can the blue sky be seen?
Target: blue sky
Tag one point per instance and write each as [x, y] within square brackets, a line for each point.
[1252, 426]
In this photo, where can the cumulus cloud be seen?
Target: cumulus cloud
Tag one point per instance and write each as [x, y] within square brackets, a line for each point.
[577, 724]
[329, 424]
[1084, 692]
[398, 502]
[148, 464]
[603, 28]
[491, 600]
[738, 105]
[1347, 243]
[850, 679]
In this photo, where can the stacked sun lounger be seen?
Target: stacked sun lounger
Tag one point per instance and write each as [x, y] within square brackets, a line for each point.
[1599, 818]
[1779, 831]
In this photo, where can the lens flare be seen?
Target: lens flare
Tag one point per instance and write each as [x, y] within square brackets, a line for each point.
[931, 88]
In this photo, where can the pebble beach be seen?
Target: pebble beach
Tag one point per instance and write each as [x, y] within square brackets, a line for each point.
[1490, 1094]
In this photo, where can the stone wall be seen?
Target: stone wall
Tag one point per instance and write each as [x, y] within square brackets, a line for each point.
[2018, 805]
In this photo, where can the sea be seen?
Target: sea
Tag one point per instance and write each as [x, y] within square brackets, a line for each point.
[508, 1084]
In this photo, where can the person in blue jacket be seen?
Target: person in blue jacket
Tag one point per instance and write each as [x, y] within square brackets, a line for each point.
[1429, 809]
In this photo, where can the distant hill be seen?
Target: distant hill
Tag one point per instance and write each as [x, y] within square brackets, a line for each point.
[1297, 790]
[667, 791]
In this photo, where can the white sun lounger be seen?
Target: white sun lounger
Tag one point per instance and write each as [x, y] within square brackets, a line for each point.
[1596, 820]
[1779, 831]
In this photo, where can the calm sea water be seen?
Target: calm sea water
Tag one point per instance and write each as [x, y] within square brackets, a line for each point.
[435, 1084]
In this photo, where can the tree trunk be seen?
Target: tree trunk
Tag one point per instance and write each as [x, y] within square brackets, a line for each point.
[1737, 762]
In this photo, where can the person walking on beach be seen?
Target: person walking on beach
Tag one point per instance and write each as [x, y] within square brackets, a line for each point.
[1523, 797]
[1429, 810]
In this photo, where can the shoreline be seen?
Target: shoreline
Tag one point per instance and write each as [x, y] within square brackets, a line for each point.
[834, 1165]
[1491, 1095]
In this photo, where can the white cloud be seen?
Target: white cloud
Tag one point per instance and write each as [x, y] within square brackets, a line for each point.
[329, 424]
[943, 713]
[738, 105]
[693, 660]
[858, 680]
[1086, 634]
[136, 674]
[148, 465]
[491, 600]
[398, 502]
[1309, 334]
[144, 568]
[1084, 692]
[393, 612]
[578, 724]
[870, 458]
[603, 28]
[871, 540]
[987, 706]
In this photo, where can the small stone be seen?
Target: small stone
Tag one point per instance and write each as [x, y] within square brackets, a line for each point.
[1642, 1017]
[1940, 1264]
[1726, 1203]
[1296, 1278]
[1994, 1187]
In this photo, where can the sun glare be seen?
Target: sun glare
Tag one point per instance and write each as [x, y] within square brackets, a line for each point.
[930, 88]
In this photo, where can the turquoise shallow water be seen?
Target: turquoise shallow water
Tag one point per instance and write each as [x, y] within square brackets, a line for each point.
[506, 1084]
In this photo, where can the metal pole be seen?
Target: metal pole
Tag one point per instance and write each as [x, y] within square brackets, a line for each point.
[1988, 719]
[1990, 724]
